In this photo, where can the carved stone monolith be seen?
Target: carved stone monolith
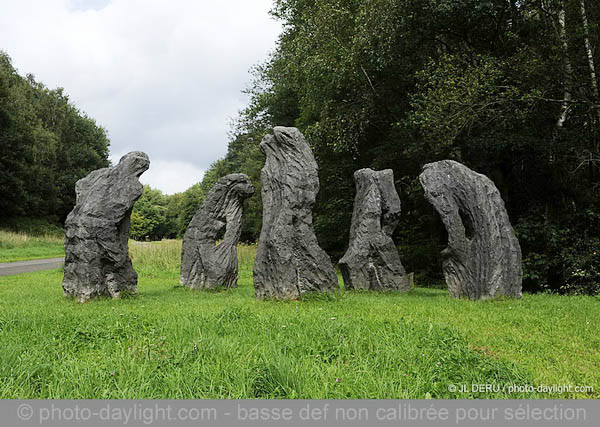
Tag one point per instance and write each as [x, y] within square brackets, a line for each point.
[97, 259]
[204, 264]
[372, 260]
[289, 261]
[483, 257]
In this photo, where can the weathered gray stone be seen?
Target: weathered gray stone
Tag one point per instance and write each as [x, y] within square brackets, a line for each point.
[372, 260]
[483, 257]
[97, 260]
[289, 261]
[204, 264]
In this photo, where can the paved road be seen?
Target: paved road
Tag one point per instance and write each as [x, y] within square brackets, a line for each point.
[9, 268]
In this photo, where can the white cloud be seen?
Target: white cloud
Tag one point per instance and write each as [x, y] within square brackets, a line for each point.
[161, 76]
[172, 176]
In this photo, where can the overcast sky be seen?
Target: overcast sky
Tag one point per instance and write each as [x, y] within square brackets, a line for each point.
[162, 76]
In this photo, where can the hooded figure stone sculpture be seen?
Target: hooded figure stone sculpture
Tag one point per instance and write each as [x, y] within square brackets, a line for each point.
[372, 260]
[97, 260]
[289, 261]
[205, 265]
[483, 257]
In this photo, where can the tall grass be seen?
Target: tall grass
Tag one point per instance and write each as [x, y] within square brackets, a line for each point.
[10, 239]
[172, 342]
[155, 257]
[246, 255]
[17, 246]
[158, 258]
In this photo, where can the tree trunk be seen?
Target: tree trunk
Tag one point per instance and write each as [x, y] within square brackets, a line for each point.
[567, 68]
[588, 50]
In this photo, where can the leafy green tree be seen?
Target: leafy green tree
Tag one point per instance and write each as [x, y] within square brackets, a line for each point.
[191, 199]
[141, 228]
[171, 216]
[151, 209]
[47, 145]
[507, 87]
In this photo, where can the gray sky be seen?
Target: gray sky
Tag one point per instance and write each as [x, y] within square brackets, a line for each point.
[162, 76]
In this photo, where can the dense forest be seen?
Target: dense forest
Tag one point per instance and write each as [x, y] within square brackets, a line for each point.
[507, 87]
[47, 144]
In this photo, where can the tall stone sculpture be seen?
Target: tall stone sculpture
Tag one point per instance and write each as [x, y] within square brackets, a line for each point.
[289, 261]
[483, 257]
[97, 260]
[372, 260]
[204, 264]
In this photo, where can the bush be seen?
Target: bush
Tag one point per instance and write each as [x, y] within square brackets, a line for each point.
[33, 226]
[561, 257]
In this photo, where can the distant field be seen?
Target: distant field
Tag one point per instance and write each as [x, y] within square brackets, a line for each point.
[170, 342]
[21, 246]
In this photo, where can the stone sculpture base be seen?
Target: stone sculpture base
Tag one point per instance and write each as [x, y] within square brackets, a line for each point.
[97, 231]
[289, 261]
[204, 264]
[372, 261]
[483, 257]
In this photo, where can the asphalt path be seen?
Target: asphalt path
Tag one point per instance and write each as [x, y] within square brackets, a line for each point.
[10, 268]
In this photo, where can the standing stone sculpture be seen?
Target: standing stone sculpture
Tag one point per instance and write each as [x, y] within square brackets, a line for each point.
[204, 264]
[372, 260]
[97, 260]
[483, 257]
[289, 261]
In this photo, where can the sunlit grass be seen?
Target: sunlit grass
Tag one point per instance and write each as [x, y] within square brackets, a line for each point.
[161, 258]
[156, 257]
[22, 246]
[170, 342]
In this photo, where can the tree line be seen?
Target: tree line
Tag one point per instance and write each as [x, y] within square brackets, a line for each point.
[507, 87]
[157, 216]
[46, 145]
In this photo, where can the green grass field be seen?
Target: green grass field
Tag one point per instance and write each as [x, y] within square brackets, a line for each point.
[171, 342]
[22, 246]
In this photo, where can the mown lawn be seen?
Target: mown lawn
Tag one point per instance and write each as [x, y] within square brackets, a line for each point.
[22, 246]
[170, 342]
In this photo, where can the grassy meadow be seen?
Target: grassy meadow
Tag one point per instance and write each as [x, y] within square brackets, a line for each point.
[23, 246]
[170, 342]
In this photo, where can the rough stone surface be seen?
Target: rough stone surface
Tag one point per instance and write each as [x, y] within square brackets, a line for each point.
[289, 261]
[97, 231]
[372, 260]
[204, 264]
[483, 257]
